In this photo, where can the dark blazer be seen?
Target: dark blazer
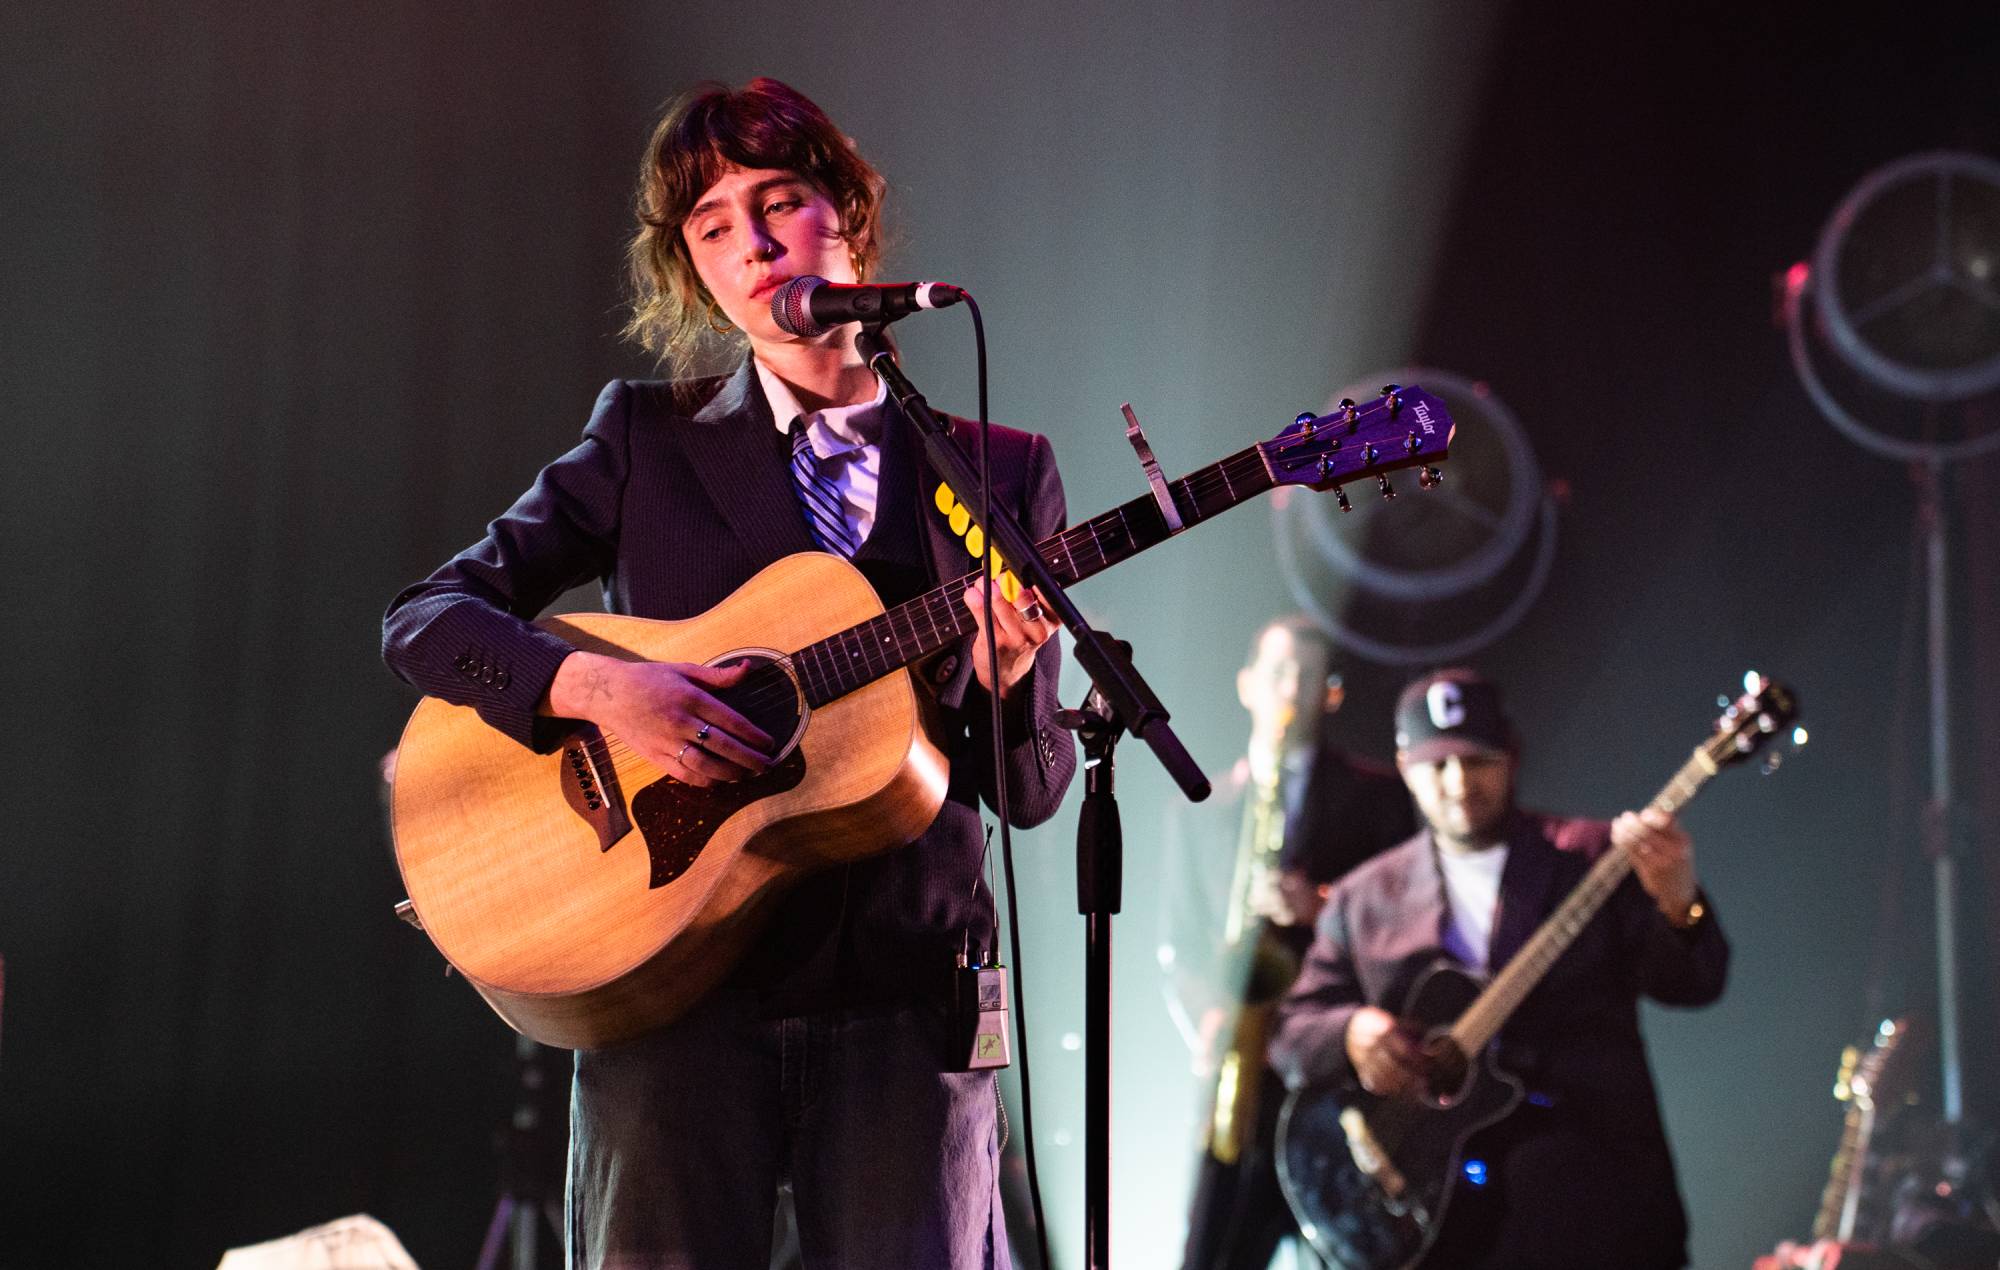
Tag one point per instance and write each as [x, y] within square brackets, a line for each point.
[1575, 1040]
[677, 494]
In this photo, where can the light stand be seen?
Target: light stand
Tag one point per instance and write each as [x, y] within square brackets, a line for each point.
[1953, 280]
[527, 1193]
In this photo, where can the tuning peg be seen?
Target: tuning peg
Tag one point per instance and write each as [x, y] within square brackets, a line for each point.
[1390, 391]
[1348, 414]
[1412, 443]
[1340, 499]
[1429, 477]
[1305, 423]
[1721, 700]
[1382, 482]
[1368, 454]
[1772, 762]
[1325, 467]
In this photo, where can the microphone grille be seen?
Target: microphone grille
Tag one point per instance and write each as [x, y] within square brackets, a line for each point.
[791, 306]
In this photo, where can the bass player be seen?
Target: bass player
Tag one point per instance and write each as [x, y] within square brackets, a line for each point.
[1580, 1175]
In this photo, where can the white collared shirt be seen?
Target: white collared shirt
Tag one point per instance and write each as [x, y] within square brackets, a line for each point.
[845, 440]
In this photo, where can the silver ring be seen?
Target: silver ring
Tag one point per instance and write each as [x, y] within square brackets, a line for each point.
[1033, 613]
[702, 735]
[683, 752]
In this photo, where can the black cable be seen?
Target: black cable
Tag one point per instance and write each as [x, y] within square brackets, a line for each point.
[1000, 798]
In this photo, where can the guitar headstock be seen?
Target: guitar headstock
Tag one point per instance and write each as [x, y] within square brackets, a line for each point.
[1404, 427]
[1753, 721]
[1883, 1076]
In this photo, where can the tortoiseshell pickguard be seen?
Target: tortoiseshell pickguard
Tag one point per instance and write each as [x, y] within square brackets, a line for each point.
[677, 820]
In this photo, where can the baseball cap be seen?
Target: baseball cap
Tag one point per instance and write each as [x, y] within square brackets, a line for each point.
[1447, 712]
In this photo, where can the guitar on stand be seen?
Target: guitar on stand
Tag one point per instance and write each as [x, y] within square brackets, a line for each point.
[590, 898]
[1873, 1087]
[1370, 1177]
[1857, 1205]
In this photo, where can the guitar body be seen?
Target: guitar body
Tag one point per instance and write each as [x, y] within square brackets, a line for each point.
[589, 898]
[1368, 1177]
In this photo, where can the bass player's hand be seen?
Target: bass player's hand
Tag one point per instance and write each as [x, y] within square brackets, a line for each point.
[1386, 1052]
[1662, 856]
[666, 713]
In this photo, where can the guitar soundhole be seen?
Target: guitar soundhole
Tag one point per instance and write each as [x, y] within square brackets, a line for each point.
[767, 695]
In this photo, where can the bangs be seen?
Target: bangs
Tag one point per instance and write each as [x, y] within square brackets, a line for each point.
[744, 130]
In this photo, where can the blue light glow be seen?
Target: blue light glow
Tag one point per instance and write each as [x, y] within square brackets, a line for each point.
[1475, 1172]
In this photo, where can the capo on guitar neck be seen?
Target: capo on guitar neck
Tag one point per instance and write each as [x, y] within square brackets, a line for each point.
[1161, 494]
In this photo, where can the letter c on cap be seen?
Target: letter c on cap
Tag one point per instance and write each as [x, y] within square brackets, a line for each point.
[1446, 704]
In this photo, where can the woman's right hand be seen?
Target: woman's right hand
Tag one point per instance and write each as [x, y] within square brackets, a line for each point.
[666, 712]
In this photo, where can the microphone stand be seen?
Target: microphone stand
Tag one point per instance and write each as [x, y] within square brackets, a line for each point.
[1100, 878]
[1127, 702]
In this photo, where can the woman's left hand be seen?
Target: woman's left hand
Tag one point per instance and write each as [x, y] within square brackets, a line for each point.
[1020, 629]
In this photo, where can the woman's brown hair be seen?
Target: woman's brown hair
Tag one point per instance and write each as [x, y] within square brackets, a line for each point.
[704, 134]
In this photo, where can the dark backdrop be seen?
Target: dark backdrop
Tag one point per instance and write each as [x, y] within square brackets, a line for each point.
[296, 296]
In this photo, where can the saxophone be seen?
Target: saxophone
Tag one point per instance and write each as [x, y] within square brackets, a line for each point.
[1258, 967]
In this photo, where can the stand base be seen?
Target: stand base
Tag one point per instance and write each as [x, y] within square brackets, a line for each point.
[514, 1220]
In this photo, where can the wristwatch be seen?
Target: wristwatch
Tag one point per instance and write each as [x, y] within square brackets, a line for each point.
[1689, 918]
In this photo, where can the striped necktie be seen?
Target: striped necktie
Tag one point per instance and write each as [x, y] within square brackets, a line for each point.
[826, 515]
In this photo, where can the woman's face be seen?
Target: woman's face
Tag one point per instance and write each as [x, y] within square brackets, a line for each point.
[756, 229]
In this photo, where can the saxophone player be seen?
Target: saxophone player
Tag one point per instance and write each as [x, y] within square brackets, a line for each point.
[1248, 872]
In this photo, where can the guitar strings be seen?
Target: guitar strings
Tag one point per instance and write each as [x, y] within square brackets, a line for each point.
[1068, 543]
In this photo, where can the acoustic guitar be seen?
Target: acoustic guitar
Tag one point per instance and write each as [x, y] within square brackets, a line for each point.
[590, 898]
[1369, 1178]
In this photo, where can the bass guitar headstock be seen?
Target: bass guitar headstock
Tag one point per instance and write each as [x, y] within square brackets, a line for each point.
[1404, 427]
[1752, 721]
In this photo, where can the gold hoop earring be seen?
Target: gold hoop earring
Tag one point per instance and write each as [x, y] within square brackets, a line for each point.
[722, 327]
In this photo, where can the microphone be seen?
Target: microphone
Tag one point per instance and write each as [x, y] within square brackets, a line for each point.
[809, 305]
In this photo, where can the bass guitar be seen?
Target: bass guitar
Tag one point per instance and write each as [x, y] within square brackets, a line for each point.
[590, 898]
[1369, 1177]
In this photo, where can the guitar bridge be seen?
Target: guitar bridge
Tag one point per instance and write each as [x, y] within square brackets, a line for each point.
[590, 787]
[1372, 1160]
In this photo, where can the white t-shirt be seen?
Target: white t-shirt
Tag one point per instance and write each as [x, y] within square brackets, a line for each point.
[1472, 887]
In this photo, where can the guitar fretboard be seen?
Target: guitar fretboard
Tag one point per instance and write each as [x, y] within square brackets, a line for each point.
[859, 655]
[1483, 1019]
